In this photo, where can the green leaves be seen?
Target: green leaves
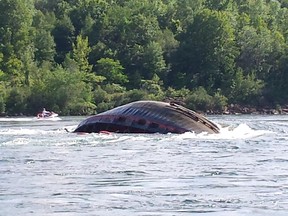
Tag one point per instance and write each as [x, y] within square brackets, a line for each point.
[61, 90]
[245, 88]
[207, 50]
[81, 52]
[111, 70]
[63, 52]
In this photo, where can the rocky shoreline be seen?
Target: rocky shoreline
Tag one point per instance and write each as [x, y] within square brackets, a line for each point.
[232, 109]
[238, 109]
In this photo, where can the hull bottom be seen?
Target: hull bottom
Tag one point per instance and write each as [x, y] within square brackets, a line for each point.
[148, 117]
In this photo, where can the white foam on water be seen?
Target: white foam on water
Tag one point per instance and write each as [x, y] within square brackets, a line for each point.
[28, 119]
[20, 131]
[242, 131]
[9, 119]
[17, 141]
[47, 119]
[27, 131]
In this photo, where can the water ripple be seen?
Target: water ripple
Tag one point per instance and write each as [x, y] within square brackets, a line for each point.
[241, 171]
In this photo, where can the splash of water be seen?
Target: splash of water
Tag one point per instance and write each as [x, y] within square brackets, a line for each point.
[241, 131]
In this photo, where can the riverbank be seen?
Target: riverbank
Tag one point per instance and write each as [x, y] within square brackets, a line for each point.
[232, 109]
[238, 109]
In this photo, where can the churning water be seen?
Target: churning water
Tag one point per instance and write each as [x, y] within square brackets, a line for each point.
[45, 171]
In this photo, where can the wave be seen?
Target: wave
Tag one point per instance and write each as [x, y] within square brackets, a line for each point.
[25, 131]
[241, 131]
[59, 137]
[28, 119]
[9, 119]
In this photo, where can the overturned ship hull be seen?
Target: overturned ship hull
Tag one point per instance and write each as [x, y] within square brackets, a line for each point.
[148, 117]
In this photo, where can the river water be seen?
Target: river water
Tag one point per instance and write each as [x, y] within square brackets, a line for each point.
[46, 171]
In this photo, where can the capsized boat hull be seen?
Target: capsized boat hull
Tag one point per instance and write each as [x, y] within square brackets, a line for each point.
[148, 117]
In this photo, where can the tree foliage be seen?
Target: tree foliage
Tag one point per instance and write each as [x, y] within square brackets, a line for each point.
[86, 56]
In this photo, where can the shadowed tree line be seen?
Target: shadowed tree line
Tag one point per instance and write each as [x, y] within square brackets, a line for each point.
[78, 57]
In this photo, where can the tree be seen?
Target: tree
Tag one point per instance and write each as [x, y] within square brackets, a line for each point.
[16, 34]
[80, 54]
[63, 34]
[44, 41]
[217, 4]
[88, 14]
[245, 88]
[185, 11]
[207, 52]
[128, 31]
[153, 61]
[61, 90]
[112, 70]
[259, 50]
[153, 87]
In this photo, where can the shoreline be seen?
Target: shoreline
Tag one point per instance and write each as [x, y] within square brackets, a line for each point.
[233, 109]
[246, 110]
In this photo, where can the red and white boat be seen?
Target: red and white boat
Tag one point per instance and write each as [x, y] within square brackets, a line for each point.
[47, 115]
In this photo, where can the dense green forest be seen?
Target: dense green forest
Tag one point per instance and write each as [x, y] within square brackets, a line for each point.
[81, 57]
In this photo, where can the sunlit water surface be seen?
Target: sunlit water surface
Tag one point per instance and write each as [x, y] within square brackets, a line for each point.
[47, 171]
